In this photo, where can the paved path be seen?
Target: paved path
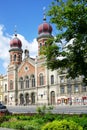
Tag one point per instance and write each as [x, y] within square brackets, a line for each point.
[5, 129]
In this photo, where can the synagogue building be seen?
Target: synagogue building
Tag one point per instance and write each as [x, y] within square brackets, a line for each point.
[29, 82]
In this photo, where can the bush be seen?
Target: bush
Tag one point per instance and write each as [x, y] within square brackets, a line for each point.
[44, 109]
[15, 125]
[83, 123]
[2, 118]
[31, 127]
[62, 125]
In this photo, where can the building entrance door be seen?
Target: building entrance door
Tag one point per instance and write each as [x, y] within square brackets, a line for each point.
[52, 98]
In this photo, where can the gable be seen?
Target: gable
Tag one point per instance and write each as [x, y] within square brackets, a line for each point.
[26, 68]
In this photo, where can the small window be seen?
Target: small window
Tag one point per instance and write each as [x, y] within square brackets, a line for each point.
[40, 45]
[33, 81]
[19, 58]
[5, 87]
[52, 79]
[27, 82]
[83, 88]
[11, 84]
[41, 79]
[62, 79]
[69, 89]
[14, 57]
[62, 89]
[11, 58]
[76, 88]
[21, 83]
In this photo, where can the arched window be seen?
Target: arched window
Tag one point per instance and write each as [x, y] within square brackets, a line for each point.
[40, 45]
[84, 88]
[11, 84]
[27, 82]
[41, 79]
[32, 98]
[5, 87]
[69, 89]
[15, 57]
[19, 58]
[52, 79]
[76, 88]
[21, 83]
[62, 89]
[32, 80]
[11, 58]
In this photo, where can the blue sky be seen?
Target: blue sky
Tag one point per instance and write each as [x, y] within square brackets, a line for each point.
[27, 15]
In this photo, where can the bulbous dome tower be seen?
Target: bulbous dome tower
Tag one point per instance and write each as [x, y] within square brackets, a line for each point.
[44, 29]
[15, 50]
[15, 42]
[44, 33]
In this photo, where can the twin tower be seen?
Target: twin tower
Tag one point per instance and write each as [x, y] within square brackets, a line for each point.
[44, 32]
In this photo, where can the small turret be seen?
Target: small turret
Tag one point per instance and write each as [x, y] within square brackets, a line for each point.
[26, 52]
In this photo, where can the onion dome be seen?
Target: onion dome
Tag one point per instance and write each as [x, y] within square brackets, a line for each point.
[44, 28]
[15, 42]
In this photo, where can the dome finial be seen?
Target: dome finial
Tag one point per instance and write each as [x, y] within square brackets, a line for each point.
[15, 31]
[44, 14]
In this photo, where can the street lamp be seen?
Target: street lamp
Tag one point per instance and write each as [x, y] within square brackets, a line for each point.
[69, 90]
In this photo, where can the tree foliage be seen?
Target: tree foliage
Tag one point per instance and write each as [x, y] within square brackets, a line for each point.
[70, 19]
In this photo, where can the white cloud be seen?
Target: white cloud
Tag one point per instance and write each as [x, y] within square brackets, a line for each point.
[5, 46]
[31, 46]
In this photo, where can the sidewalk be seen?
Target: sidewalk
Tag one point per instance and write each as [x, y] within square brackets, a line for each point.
[5, 129]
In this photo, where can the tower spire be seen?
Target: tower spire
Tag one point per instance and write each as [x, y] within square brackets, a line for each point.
[44, 14]
[15, 30]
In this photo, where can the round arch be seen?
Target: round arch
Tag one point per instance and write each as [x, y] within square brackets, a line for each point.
[33, 98]
[21, 97]
[26, 98]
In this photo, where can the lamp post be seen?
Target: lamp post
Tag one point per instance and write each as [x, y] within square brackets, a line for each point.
[70, 96]
[69, 89]
[85, 60]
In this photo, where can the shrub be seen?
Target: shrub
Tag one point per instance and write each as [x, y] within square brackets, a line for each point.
[83, 123]
[48, 117]
[2, 118]
[5, 124]
[31, 127]
[23, 117]
[62, 125]
[15, 125]
[44, 109]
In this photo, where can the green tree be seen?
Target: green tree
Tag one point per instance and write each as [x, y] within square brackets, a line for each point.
[70, 19]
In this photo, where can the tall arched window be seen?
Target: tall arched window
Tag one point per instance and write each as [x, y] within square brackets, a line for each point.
[5, 87]
[69, 88]
[27, 82]
[62, 89]
[52, 79]
[19, 57]
[15, 57]
[21, 83]
[40, 45]
[11, 58]
[76, 88]
[32, 80]
[41, 79]
[11, 84]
